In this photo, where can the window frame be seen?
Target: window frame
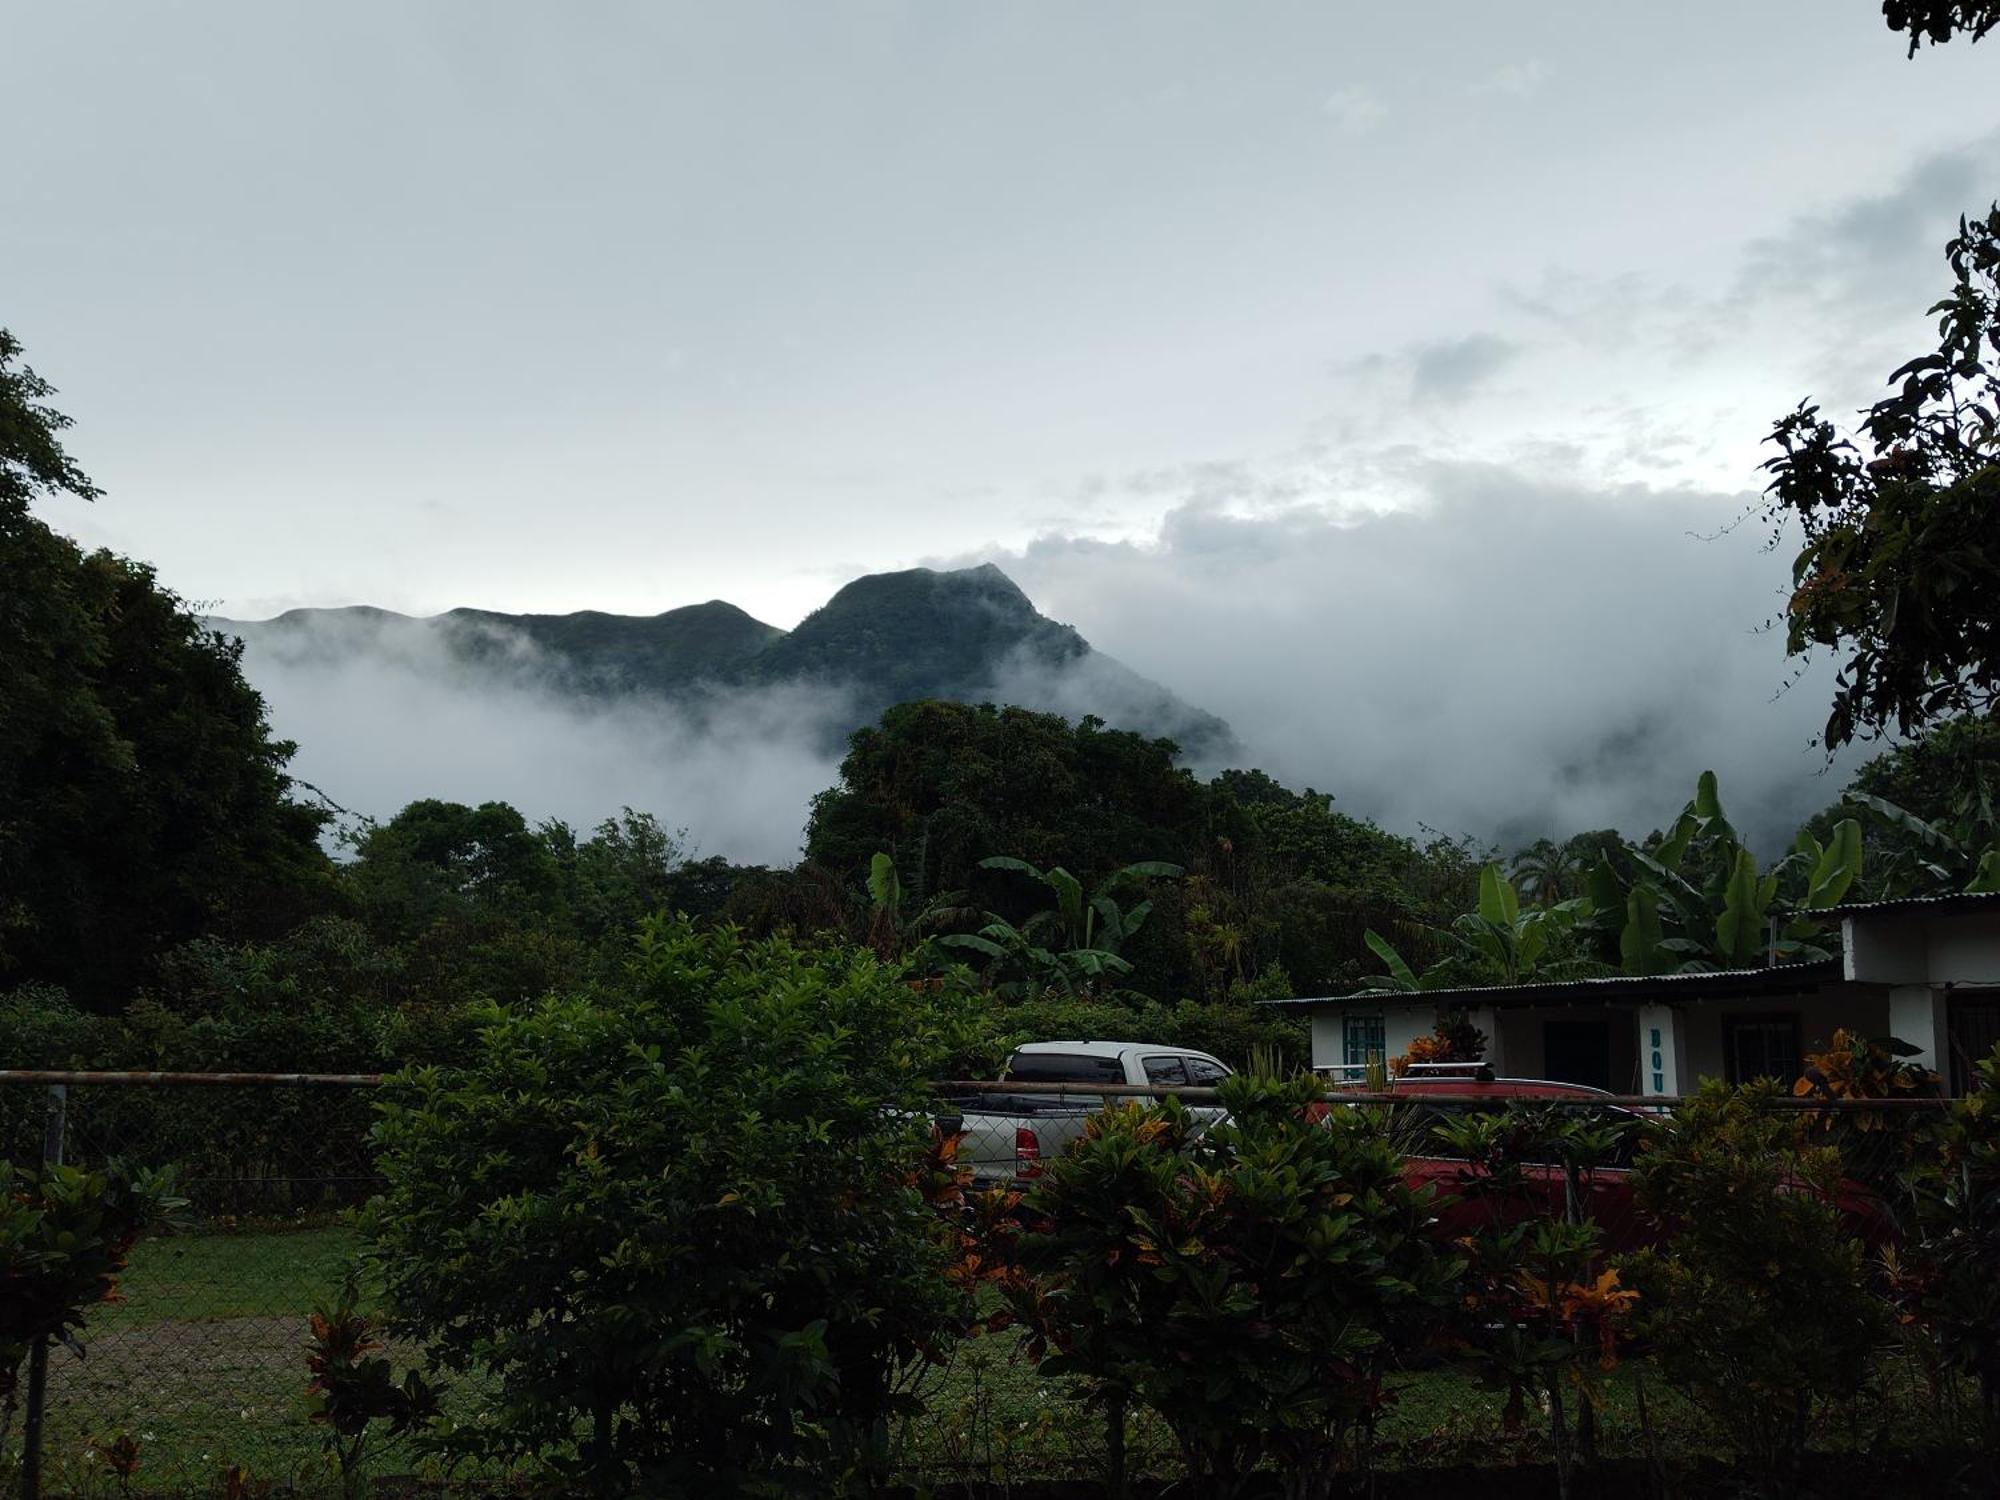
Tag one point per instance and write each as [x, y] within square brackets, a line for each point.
[1761, 1019]
[1380, 1050]
[1173, 1059]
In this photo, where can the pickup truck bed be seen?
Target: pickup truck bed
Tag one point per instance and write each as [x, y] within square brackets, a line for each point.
[1007, 1136]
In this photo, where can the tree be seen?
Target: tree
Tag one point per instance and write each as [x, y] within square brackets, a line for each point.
[1929, 810]
[1938, 21]
[475, 895]
[1898, 569]
[681, 1230]
[143, 798]
[954, 783]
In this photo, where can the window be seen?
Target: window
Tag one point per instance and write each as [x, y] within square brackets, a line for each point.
[1760, 1047]
[1361, 1040]
[1063, 1067]
[1166, 1070]
[1205, 1074]
[1972, 1028]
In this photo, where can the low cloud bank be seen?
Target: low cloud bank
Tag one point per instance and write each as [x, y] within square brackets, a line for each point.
[1510, 656]
[384, 715]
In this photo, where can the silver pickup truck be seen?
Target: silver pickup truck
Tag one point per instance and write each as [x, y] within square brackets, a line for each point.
[1008, 1136]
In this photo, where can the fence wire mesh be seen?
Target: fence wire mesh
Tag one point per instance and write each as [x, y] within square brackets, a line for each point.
[199, 1367]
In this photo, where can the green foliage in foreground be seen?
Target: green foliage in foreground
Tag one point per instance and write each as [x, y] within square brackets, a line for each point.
[1759, 1307]
[680, 1226]
[64, 1235]
[1251, 1285]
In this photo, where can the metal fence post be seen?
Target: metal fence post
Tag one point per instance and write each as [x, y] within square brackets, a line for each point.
[38, 1354]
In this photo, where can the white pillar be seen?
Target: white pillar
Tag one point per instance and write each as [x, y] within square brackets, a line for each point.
[1916, 1016]
[1662, 1051]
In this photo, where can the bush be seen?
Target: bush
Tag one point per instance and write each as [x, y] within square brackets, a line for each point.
[1252, 1286]
[1758, 1307]
[64, 1234]
[1944, 1276]
[681, 1228]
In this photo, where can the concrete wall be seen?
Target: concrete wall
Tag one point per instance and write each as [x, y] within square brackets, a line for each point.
[1403, 1021]
[1515, 1036]
[1908, 947]
[1819, 1016]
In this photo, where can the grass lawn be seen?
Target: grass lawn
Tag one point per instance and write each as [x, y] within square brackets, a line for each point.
[203, 1363]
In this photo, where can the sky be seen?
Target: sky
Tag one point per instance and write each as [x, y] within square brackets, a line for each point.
[1394, 388]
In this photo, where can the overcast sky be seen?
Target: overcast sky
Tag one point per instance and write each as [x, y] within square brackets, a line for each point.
[1385, 339]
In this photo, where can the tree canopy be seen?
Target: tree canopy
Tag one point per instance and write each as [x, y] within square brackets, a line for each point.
[1900, 566]
[1938, 21]
[143, 798]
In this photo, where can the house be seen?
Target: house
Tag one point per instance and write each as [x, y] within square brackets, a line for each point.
[1924, 969]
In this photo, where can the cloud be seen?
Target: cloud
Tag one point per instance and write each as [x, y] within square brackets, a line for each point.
[385, 712]
[1517, 80]
[1452, 369]
[1355, 109]
[1511, 656]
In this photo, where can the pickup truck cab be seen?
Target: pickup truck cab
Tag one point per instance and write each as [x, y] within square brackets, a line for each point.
[1007, 1136]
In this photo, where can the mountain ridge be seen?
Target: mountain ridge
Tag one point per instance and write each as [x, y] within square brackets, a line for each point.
[966, 634]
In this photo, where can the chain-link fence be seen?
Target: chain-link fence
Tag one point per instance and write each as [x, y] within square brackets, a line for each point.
[199, 1368]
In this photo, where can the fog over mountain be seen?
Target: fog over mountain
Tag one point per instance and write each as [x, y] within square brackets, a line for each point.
[1456, 662]
[702, 714]
[1348, 650]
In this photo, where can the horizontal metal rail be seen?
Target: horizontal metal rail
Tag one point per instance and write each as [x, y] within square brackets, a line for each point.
[1429, 1095]
[142, 1078]
[979, 1087]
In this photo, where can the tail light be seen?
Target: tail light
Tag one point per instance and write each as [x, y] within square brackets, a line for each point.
[1027, 1152]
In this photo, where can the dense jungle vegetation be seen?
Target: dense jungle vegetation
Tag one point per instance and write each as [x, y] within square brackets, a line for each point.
[167, 897]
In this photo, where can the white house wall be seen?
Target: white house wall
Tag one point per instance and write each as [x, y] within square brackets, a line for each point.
[1913, 948]
[1819, 1016]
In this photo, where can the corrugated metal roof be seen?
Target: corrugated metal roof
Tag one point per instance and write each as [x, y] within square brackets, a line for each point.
[1621, 987]
[1949, 902]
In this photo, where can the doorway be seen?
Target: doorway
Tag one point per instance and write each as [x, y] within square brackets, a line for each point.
[1577, 1052]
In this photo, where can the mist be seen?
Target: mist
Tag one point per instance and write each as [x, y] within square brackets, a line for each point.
[384, 713]
[1507, 656]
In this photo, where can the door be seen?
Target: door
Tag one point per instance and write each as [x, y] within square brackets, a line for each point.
[1577, 1052]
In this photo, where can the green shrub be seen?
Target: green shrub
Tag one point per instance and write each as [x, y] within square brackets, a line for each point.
[682, 1229]
[1944, 1275]
[1758, 1307]
[64, 1234]
[1253, 1286]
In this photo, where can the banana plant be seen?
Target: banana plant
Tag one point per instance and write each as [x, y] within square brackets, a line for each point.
[1501, 943]
[1098, 923]
[1936, 860]
[1019, 968]
[893, 927]
[1069, 948]
[1697, 901]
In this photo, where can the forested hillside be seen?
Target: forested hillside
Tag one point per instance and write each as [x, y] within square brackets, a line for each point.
[164, 898]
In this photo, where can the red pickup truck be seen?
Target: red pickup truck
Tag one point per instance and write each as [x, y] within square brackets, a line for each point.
[1606, 1191]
